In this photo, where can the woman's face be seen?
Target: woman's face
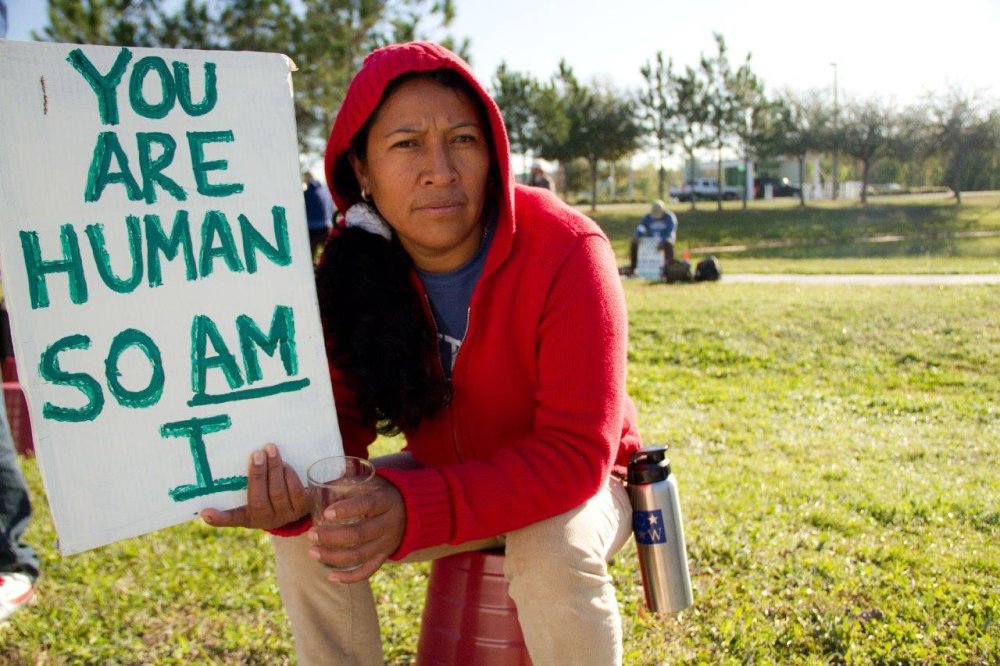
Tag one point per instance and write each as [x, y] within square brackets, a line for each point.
[426, 169]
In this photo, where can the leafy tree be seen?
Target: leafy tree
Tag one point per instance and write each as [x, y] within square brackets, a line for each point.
[752, 118]
[600, 125]
[957, 129]
[106, 22]
[721, 102]
[869, 129]
[798, 128]
[658, 106]
[530, 109]
[693, 116]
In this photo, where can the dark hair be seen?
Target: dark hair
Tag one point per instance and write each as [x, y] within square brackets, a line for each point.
[377, 328]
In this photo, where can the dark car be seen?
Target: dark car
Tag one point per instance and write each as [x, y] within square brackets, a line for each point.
[780, 187]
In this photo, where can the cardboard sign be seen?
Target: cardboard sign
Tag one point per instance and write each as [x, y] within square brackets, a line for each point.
[649, 259]
[157, 272]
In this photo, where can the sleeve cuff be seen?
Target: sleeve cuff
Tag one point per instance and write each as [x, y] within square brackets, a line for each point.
[293, 528]
[428, 515]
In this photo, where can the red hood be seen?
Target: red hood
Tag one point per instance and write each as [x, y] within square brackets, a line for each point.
[365, 92]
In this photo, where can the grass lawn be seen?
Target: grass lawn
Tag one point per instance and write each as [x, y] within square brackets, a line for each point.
[836, 451]
[893, 234]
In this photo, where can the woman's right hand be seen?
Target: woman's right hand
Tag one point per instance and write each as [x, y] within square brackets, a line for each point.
[275, 495]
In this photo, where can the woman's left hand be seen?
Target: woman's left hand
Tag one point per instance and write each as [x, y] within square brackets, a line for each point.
[367, 543]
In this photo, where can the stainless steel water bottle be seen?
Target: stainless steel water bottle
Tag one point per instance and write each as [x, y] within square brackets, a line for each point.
[659, 531]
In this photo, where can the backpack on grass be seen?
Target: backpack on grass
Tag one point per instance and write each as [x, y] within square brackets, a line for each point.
[708, 269]
[677, 271]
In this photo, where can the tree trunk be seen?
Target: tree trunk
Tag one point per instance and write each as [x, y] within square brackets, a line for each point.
[802, 181]
[865, 165]
[691, 177]
[746, 170]
[956, 178]
[662, 176]
[593, 183]
[718, 182]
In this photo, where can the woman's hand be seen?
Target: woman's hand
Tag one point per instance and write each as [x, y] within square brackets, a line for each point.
[275, 496]
[367, 543]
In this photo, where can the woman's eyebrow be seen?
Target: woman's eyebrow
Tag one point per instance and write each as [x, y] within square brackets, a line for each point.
[406, 129]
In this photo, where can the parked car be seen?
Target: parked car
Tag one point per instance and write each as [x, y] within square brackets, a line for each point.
[780, 187]
[701, 189]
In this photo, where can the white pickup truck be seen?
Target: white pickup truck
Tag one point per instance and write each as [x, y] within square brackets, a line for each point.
[702, 189]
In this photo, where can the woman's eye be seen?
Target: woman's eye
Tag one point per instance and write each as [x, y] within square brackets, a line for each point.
[465, 138]
[407, 143]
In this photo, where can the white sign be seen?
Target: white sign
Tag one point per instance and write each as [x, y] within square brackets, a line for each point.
[157, 271]
[649, 259]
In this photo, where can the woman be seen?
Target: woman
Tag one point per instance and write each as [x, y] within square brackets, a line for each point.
[484, 321]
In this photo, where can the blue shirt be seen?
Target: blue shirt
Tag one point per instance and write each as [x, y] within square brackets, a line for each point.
[450, 294]
[319, 206]
[663, 229]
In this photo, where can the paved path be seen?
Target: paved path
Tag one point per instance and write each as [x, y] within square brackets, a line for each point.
[923, 279]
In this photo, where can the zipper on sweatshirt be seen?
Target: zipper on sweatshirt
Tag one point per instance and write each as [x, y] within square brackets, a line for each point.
[448, 378]
[454, 364]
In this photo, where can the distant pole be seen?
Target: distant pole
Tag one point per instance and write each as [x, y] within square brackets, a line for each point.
[836, 135]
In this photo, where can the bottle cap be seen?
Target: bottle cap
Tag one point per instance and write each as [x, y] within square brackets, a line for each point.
[649, 465]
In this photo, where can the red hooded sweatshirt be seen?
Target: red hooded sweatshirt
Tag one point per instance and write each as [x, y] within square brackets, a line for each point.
[539, 416]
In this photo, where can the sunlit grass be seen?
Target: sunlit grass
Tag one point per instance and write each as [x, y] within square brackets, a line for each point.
[928, 231]
[836, 453]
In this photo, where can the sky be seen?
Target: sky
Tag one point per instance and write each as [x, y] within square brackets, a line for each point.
[894, 49]
[889, 48]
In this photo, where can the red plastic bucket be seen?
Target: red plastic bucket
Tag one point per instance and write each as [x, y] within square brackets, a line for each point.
[469, 618]
[17, 415]
[10, 369]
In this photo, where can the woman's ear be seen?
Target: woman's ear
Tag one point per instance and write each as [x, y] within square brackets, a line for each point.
[360, 172]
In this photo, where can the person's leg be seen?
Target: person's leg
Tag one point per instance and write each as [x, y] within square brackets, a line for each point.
[15, 510]
[559, 581]
[633, 256]
[668, 251]
[331, 623]
[334, 623]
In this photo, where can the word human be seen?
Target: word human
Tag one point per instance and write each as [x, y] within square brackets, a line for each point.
[149, 245]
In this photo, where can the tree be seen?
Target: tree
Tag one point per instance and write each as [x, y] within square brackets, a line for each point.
[693, 116]
[530, 110]
[721, 103]
[798, 128]
[869, 129]
[106, 22]
[751, 118]
[600, 125]
[957, 129]
[658, 105]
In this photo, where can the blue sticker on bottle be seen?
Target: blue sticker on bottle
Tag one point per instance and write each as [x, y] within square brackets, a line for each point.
[648, 527]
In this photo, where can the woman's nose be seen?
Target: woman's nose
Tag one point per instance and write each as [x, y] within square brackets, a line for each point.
[439, 166]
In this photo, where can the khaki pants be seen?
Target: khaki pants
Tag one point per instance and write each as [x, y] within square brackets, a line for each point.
[557, 570]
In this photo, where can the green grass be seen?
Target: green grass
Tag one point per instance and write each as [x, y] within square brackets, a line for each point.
[836, 450]
[923, 233]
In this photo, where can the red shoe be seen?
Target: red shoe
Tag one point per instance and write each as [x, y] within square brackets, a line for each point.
[16, 589]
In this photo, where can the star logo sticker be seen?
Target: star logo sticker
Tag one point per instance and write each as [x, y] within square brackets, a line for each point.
[648, 527]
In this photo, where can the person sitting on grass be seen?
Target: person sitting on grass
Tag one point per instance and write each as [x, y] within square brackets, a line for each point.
[658, 223]
[486, 322]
